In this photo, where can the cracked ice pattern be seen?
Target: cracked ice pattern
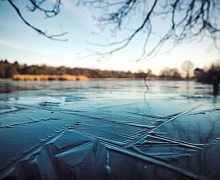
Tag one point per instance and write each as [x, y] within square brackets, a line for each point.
[109, 130]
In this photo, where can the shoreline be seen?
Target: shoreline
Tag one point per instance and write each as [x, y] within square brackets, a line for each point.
[83, 78]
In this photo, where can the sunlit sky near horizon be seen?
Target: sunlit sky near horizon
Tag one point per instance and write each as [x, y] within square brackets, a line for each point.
[20, 42]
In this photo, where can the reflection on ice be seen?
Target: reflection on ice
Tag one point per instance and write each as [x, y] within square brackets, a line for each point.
[109, 130]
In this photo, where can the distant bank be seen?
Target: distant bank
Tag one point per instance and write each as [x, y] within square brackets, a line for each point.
[24, 72]
[27, 77]
[66, 77]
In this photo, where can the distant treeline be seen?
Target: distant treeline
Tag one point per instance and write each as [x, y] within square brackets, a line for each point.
[207, 75]
[8, 70]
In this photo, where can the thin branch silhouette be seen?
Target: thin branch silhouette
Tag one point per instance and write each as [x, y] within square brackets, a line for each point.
[187, 20]
[53, 37]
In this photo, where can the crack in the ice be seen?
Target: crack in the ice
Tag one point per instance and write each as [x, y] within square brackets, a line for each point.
[145, 135]
[30, 122]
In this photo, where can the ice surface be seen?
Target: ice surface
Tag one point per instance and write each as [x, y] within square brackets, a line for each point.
[6, 108]
[109, 130]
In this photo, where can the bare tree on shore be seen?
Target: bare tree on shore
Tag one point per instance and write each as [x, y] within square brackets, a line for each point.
[188, 67]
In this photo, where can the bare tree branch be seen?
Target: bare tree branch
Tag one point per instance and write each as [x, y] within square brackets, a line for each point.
[36, 5]
[189, 19]
[186, 20]
[53, 37]
[118, 18]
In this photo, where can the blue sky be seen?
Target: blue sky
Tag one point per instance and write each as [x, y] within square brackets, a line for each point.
[19, 42]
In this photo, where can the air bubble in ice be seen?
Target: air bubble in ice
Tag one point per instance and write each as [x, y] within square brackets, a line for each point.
[108, 168]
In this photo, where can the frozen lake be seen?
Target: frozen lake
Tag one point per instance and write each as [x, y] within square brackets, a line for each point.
[109, 130]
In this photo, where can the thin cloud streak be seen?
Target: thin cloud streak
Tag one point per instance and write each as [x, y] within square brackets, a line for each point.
[18, 46]
[11, 44]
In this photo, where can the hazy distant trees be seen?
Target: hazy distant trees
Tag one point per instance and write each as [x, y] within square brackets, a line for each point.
[185, 19]
[208, 74]
[7, 70]
[198, 72]
[188, 67]
[170, 73]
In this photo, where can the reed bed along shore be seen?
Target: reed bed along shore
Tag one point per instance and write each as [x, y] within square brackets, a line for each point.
[65, 77]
